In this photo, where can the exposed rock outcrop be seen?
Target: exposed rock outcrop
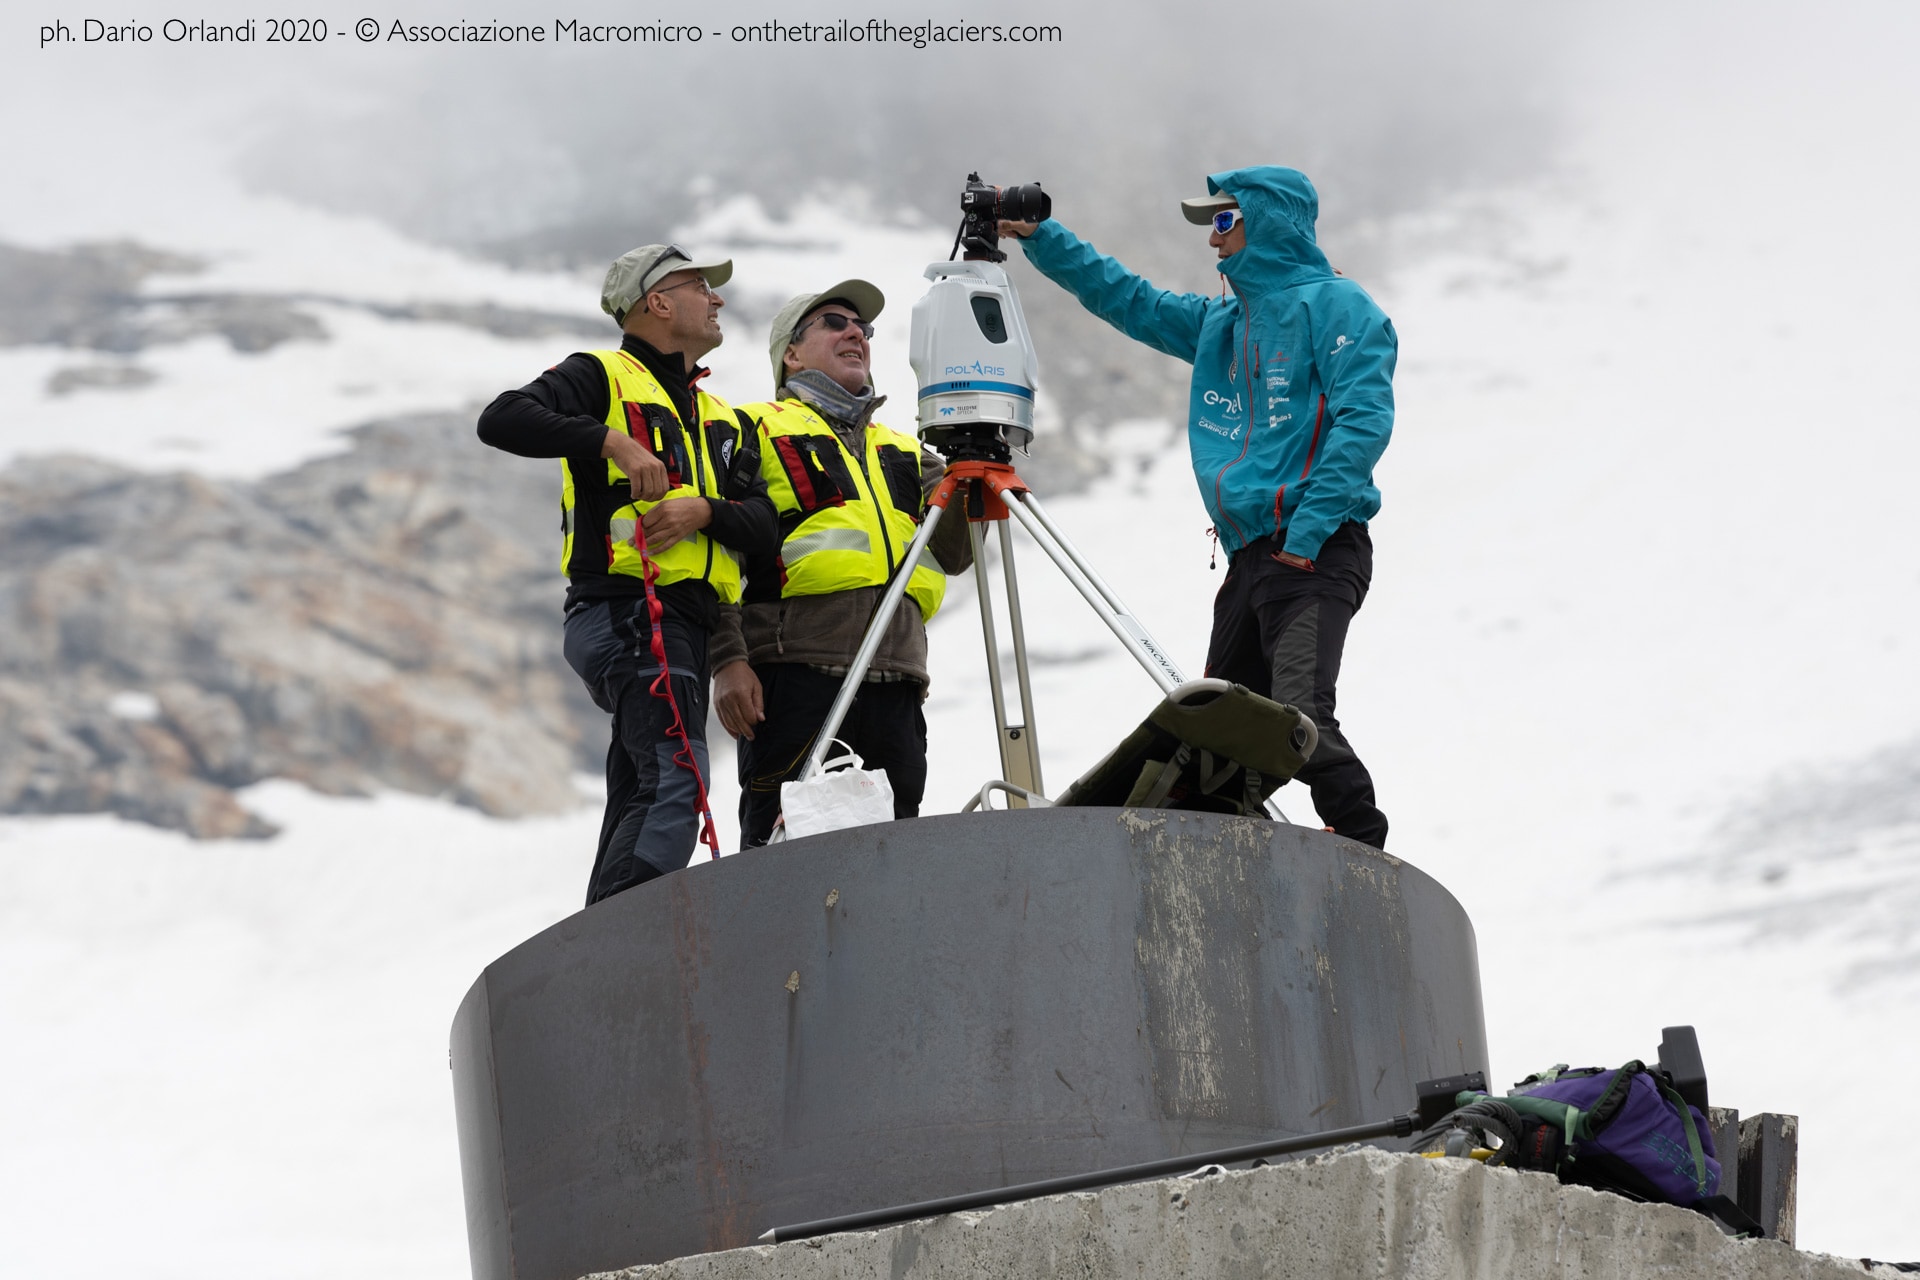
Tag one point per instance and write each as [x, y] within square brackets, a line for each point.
[95, 297]
[387, 617]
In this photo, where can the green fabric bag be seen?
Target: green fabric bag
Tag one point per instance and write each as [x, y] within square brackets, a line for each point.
[1209, 746]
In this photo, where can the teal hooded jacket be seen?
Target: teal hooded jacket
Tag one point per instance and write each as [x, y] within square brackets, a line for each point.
[1292, 397]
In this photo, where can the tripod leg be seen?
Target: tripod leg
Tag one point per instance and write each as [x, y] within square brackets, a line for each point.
[1106, 605]
[1013, 756]
[870, 644]
[1028, 743]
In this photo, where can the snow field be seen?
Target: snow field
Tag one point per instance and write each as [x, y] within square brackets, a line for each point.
[231, 1059]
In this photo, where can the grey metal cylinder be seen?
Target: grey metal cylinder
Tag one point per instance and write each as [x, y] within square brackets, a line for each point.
[928, 1007]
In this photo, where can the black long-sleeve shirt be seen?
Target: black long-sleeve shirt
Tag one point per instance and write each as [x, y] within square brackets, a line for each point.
[563, 414]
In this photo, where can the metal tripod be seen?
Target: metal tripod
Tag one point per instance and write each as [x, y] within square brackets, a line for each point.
[992, 492]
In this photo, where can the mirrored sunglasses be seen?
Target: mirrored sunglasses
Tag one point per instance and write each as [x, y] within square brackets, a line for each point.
[1225, 220]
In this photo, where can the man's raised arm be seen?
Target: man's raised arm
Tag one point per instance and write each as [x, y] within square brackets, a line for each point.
[1164, 320]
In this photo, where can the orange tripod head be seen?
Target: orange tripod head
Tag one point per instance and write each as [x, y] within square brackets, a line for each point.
[986, 484]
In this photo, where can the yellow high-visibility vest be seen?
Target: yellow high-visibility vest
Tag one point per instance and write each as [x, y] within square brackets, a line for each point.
[639, 407]
[845, 520]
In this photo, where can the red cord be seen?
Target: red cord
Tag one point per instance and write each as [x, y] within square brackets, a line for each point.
[662, 687]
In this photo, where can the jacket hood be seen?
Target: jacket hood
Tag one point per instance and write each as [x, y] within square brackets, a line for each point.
[1279, 207]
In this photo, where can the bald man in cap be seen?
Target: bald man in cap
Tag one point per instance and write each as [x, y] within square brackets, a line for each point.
[660, 476]
[850, 494]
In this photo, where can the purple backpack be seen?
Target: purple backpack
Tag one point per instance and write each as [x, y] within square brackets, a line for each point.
[1625, 1130]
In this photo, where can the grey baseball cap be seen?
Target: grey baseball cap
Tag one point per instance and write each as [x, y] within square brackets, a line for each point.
[865, 299]
[637, 271]
[1200, 209]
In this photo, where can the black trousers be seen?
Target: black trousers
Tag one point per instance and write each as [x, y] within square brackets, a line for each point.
[885, 728]
[1280, 631]
[653, 812]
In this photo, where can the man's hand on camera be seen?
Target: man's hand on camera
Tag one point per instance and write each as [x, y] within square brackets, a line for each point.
[674, 519]
[647, 474]
[737, 697]
[1018, 230]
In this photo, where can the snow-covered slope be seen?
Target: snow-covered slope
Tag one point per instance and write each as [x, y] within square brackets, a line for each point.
[230, 1059]
[1635, 679]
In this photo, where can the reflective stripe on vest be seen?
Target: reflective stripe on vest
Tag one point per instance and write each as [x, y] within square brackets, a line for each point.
[846, 520]
[801, 545]
[635, 405]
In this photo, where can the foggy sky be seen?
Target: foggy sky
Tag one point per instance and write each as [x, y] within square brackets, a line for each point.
[572, 154]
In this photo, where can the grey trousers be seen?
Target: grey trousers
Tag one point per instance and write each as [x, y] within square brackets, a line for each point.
[652, 818]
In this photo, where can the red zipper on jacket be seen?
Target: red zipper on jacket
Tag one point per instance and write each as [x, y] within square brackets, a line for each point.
[1313, 446]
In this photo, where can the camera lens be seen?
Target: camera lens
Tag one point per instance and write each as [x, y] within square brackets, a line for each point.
[1025, 204]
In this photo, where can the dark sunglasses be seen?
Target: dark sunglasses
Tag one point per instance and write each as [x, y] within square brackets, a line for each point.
[835, 322]
[1224, 220]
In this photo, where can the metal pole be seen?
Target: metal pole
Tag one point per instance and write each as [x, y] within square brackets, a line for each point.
[1027, 717]
[984, 590]
[1398, 1127]
[870, 645]
[1145, 650]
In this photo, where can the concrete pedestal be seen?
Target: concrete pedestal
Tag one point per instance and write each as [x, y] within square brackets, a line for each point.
[1336, 1217]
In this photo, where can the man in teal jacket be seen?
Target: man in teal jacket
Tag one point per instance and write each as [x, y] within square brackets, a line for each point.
[1291, 407]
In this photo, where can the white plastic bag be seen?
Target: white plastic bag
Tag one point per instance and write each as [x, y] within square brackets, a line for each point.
[843, 794]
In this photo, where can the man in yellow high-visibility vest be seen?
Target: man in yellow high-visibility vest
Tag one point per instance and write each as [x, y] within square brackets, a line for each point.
[850, 494]
[648, 456]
